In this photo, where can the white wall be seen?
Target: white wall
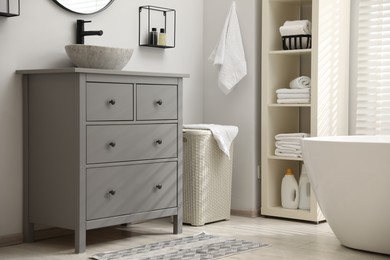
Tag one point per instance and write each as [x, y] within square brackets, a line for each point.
[36, 39]
[242, 106]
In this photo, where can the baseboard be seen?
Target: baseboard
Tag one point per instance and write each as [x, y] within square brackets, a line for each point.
[9, 240]
[245, 213]
[15, 239]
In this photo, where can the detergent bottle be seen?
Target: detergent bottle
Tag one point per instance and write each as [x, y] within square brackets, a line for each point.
[304, 190]
[290, 190]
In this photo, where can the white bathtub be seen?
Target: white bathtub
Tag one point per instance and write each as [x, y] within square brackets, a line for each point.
[350, 176]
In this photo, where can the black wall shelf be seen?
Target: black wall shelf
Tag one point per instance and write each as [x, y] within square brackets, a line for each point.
[159, 18]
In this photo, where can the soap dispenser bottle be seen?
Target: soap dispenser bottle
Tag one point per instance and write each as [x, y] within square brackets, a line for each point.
[290, 191]
[162, 38]
[304, 190]
[153, 37]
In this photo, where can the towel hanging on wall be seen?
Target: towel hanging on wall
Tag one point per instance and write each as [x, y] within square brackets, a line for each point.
[229, 56]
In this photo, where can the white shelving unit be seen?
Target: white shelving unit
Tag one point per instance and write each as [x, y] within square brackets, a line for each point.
[327, 114]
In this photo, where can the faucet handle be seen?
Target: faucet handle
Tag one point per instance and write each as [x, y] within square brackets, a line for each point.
[82, 21]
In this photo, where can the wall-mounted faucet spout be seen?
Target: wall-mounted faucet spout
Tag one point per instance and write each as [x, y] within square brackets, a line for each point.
[80, 33]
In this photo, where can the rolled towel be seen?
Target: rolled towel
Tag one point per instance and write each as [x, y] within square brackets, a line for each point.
[293, 96]
[297, 27]
[305, 23]
[300, 82]
[292, 91]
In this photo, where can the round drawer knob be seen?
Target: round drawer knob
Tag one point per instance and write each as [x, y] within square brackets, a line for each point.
[159, 141]
[112, 144]
[159, 102]
[112, 102]
[159, 186]
[112, 192]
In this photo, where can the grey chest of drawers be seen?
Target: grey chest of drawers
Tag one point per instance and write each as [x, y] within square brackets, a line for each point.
[101, 148]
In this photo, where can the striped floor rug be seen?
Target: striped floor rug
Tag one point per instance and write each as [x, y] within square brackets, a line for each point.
[201, 246]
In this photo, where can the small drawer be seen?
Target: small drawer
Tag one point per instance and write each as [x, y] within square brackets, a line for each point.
[157, 102]
[113, 143]
[114, 191]
[109, 101]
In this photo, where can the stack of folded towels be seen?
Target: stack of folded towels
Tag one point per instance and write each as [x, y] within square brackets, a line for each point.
[298, 93]
[294, 28]
[289, 145]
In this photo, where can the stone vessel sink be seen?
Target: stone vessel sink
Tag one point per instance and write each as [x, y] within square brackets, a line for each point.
[98, 57]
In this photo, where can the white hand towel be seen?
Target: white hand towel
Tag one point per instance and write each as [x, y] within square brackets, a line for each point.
[296, 142]
[304, 23]
[300, 82]
[223, 134]
[293, 30]
[292, 96]
[297, 27]
[286, 136]
[292, 91]
[291, 147]
[228, 56]
[281, 153]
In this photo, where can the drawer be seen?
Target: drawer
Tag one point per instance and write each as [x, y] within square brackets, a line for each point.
[114, 191]
[156, 102]
[109, 101]
[113, 143]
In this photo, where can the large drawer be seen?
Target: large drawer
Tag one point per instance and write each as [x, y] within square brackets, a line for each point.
[113, 143]
[113, 191]
[157, 102]
[109, 101]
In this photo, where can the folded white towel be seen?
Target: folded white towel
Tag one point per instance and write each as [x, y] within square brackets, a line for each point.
[298, 22]
[293, 101]
[293, 30]
[228, 56]
[289, 136]
[293, 142]
[300, 82]
[290, 147]
[292, 91]
[223, 134]
[293, 95]
[278, 152]
[297, 27]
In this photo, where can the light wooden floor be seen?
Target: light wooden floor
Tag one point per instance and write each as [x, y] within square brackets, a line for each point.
[287, 240]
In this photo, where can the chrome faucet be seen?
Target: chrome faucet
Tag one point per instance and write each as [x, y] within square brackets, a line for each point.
[80, 33]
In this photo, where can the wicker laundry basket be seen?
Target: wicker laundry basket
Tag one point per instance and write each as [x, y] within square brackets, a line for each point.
[207, 179]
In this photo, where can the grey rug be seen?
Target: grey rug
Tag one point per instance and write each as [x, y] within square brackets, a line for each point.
[201, 246]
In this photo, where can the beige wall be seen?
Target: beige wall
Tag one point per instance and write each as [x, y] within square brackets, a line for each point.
[36, 39]
[242, 106]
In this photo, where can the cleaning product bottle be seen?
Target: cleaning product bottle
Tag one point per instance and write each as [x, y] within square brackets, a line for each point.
[304, 190]
[153, 37]
[290, 191]
[162, 38]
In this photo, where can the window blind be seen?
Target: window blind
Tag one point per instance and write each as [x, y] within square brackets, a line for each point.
[373, 68]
